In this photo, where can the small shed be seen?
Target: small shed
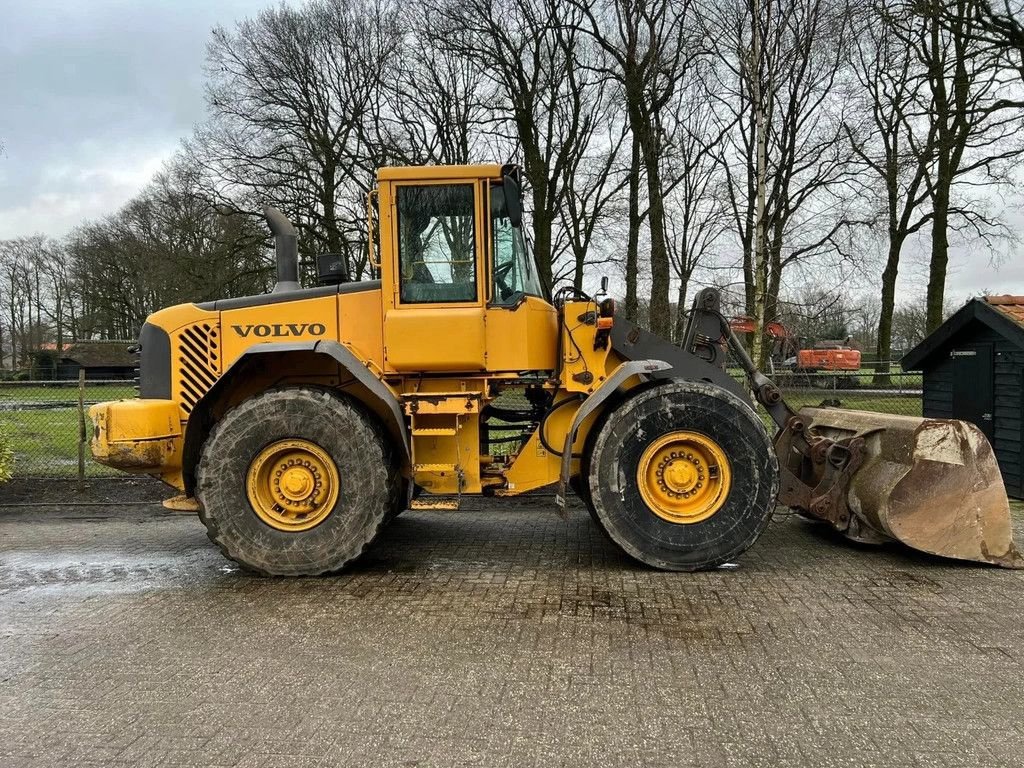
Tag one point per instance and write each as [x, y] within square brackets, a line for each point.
[99, 359]
[973, 369]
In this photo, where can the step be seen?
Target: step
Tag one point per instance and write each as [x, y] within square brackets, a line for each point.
[449, 503]
[435, 431]
[435, 467]
[450, 403]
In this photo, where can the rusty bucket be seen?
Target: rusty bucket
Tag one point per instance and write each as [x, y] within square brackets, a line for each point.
[932, 484]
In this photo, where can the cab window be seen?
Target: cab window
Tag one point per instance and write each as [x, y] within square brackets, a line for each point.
[515, 273]
[436, 243]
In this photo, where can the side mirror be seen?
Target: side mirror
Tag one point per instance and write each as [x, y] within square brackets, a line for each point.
[604, 285]
[513, 200]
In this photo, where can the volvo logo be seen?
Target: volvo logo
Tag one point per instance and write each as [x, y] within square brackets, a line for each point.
[263, 331]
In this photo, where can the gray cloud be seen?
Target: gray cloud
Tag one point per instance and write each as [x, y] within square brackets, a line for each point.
[94, 97]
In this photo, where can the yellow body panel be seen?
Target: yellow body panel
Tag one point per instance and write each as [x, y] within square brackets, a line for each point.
[313, 319]
[522, 339]
[138, 436]
[585, 364]
[359, 322]
[438, 172]
[173, 318]
[417, 335]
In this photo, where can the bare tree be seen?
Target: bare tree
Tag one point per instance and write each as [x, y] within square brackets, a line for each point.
[532, 52]
[977, 129]
[998, 23]
[897, 146]
[697, 212]
[60, 306]
[293, 95]
[440, 104]
[593, 184]
[25, 294]
[168, 245]
[648, 46]
[779, 91]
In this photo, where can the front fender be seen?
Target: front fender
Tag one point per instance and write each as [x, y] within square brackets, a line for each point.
[199, 418]
[592, 403]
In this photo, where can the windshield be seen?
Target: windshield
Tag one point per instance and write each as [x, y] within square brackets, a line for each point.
[515, 273]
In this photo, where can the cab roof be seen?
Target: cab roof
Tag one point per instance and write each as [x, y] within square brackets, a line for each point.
[435, 172]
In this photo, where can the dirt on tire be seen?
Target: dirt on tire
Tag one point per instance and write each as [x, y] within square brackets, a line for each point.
[617, 503]
[334, 422]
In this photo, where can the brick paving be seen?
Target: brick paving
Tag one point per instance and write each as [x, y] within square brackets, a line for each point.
[498, 636]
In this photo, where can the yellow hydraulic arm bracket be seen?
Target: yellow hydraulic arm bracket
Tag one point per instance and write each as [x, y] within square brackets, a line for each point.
[602, 393]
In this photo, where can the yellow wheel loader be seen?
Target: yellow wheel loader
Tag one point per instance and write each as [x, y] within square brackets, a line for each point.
[300, 422]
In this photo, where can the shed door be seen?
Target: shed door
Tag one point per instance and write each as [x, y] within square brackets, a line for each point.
[973, 389]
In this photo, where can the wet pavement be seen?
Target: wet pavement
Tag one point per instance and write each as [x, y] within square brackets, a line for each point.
[498, 636]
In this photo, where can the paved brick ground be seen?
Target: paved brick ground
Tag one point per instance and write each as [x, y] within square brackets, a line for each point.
[500, 636]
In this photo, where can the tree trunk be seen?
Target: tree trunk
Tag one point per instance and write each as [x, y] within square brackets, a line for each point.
[633, 240]
[579, 258]
[646, 147]
[660, 322]
[889, 274]
[939, 257]
[760, 261]
[334, 241]
[536, 172]
[542, 246]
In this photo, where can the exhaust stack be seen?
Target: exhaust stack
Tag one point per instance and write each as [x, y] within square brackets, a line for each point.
[286, 248]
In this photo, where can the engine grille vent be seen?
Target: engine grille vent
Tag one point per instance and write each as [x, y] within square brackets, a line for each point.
[198, 362]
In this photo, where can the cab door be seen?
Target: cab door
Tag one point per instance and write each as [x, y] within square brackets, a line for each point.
[434, 315]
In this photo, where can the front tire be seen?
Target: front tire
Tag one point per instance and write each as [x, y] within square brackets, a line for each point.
[683, 476]
[295, 482]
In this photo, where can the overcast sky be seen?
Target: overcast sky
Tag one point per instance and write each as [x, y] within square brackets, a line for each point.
[96, 94]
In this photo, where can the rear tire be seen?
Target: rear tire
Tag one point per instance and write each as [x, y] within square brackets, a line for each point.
[731, 450]
[341, 439]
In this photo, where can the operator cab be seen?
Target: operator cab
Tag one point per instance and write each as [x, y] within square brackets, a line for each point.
[461, 290]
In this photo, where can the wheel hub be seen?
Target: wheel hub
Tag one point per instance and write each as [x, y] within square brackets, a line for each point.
[684, 477]
[292, 485]
[297, 483]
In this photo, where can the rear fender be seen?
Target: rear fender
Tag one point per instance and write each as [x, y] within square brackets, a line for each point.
[382, 399]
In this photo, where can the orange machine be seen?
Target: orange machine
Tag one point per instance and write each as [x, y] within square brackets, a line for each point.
[829, 355]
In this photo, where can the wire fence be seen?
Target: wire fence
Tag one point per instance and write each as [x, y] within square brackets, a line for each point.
[896, 393]
[49, 429]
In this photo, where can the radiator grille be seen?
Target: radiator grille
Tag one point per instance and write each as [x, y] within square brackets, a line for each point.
[198, 362]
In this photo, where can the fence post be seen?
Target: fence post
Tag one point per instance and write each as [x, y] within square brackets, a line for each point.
[81, 426]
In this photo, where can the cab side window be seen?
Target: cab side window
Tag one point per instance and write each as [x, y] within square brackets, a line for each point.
[436, 243]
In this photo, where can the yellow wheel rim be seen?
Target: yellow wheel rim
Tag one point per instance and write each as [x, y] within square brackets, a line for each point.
[684, 477]
[292, 485]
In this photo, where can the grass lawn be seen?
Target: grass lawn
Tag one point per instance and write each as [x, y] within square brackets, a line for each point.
[44, 393]
[45, 443]
[862, 379]
[904, 405]
[907, 405]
